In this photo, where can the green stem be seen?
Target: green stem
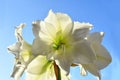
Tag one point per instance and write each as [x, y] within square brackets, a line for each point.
[57, 72]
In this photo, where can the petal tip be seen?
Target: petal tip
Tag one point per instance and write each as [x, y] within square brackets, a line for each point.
[50, 12]
[34, 23]
[22, 25]
[102, 33]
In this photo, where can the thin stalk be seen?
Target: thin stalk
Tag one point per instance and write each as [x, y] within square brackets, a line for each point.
[57, 72]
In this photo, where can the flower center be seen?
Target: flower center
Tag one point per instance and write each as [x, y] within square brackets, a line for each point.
[59, 41]
[58, 46]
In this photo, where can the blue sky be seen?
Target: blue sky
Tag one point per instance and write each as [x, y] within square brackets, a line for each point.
[103, 14]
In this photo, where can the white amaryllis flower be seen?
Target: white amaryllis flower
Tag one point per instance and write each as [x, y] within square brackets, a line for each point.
[61, 40]
[22, 51]
[103, 57]
[42, 69]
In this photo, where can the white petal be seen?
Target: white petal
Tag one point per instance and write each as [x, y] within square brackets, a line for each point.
[48, 29]
[47, 39]
[60, 21]
[26, 46]
[64, 61]
[51, 55]
[52, 19]
[15, 49]
[18, 32]
[65, 23]
[63, 76]
[92, 69]
[68, 30]
[26, 52]
[39, 65]
[47, 75]
[83, 71]
[103, 56]
[80, 30]
[95, 37]
[18, 49]
[78, 25]
[30, 76]
[40, 69]
[18, 71]
[83, 53]
[39, 47]
[64, 65]
[36, 28]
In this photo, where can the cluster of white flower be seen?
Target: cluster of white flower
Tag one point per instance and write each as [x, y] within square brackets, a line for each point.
[58, 45]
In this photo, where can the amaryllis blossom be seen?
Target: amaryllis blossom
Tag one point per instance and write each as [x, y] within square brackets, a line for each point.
[42, 69]
[63, 41]
[38, 67]
[103, 57]
[59, 44]
[22, 51]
